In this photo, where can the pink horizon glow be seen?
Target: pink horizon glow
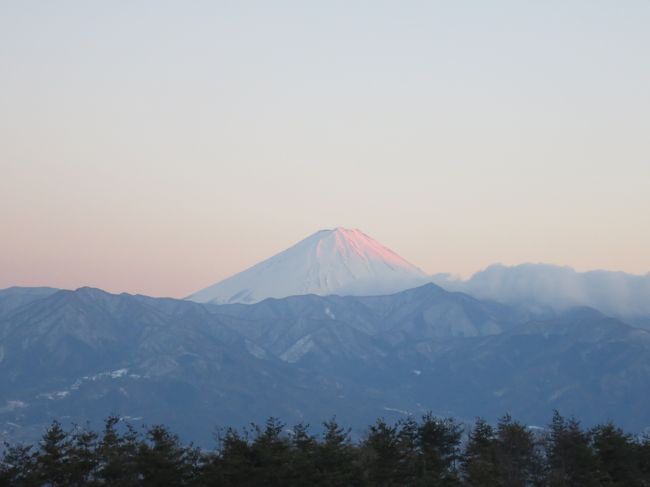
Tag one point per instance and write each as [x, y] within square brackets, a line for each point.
[158, 149]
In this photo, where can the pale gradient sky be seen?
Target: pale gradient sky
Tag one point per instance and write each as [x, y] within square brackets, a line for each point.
[157, 147]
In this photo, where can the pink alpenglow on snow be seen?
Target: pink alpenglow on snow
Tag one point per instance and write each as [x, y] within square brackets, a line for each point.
[339, 261]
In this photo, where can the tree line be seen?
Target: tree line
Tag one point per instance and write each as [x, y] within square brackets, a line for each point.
[427, 452]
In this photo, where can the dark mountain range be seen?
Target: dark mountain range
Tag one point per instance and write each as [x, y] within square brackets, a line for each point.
[81, 355]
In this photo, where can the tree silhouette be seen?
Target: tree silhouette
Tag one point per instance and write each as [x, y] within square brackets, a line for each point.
[428, 452]
[479, 461]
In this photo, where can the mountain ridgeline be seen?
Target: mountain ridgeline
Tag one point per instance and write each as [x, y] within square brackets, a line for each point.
[82, 355]
[348, 262]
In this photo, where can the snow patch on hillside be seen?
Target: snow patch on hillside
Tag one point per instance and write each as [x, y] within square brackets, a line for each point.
[113, 374]
[298, 349]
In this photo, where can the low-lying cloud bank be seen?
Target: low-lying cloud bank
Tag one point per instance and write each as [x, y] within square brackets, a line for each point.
[613, 293]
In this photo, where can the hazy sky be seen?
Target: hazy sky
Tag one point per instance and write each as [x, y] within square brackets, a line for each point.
[157, 147]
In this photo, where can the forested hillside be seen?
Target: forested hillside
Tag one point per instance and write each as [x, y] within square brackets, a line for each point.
[87, 354]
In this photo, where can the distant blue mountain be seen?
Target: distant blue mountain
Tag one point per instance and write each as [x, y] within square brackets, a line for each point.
[81, 355]
[14, 297]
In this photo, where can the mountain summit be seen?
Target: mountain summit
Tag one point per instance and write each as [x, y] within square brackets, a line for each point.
[338, 261]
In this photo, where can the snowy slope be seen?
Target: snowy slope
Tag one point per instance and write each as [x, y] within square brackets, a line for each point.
[339, 261]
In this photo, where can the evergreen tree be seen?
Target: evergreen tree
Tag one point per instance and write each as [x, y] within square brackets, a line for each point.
[407, 443]
[304, 449]
[52, 460]
[270, 455]
[571, 460]
[518, 459]
[117, 455]
[164, 462]
[479, 461]
[381, 455]
[336, 459]
[439, 446]
[83, 458]
[232, 463]
[617, 455]
[643, 460]
[17, 466]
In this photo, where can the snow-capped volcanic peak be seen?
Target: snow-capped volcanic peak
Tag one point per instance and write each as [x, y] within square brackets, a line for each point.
[345, 246]
[339, 261]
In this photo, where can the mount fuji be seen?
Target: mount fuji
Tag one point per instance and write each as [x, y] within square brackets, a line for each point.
[336, 261]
